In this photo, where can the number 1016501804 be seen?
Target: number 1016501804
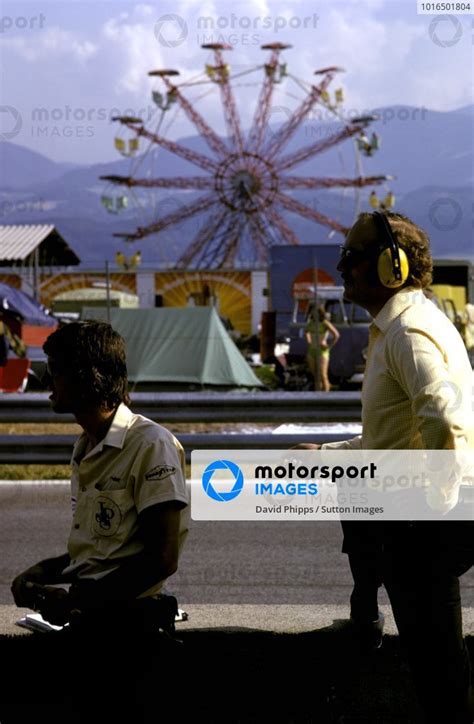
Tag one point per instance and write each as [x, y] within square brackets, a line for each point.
[435, 8]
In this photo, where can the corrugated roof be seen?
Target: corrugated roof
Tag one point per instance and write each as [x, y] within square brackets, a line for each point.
[18, 241]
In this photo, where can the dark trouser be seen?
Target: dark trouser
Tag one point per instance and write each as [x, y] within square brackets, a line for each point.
[364, 547]
[420, 564]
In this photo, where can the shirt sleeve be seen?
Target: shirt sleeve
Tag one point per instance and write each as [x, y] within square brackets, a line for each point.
[421, 368]
[159, 474]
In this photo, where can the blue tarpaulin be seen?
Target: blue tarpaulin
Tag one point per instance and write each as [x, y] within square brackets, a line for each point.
[21, 304]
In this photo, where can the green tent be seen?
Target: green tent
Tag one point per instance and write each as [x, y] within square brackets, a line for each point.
[187, 345]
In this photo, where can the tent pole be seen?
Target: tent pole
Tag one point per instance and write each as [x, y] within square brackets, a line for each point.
[35, 275]
[107, 289]
[316, 342]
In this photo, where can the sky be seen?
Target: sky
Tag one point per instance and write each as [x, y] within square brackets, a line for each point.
[68, 66]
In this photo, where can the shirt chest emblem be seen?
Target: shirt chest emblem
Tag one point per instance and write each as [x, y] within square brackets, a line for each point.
[106, 516]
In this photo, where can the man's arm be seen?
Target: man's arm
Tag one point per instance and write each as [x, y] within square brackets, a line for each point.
[334, 332]
[45, 572]
[354, 443]
[437, 397]
[440, 394]
[159, 527]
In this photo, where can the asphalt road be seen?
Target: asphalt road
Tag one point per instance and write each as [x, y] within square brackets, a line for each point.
[223, 562]
[240, 583]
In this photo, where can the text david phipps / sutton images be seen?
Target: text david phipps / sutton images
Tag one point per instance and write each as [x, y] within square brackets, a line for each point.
[331, 484]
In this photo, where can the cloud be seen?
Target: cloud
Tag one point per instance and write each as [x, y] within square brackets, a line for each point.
[358, 4]
[101, 58]
[385, 56]
[130, 39]
[51, 42]
[388, 60]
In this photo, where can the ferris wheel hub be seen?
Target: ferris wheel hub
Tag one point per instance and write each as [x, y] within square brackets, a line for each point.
[246, 182]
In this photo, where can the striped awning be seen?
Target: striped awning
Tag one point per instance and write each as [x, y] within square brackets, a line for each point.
[19, 241]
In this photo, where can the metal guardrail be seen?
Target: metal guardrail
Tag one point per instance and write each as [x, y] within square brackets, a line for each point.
[276, 407]
[56, 449]
[184, 407]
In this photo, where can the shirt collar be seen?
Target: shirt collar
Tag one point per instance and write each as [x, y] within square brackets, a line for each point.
[118, 429]
[396, 305]
[115, 436]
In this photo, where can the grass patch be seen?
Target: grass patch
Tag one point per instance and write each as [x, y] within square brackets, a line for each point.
[63, 472]
[39, 428]
[35, 472]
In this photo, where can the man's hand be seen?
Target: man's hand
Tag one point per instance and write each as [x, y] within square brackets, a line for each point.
[54, 605]
[47, 571]
[23, 593]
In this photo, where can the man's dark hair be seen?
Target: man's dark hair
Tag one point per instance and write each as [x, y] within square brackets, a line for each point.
[93, 354]
[416, 245]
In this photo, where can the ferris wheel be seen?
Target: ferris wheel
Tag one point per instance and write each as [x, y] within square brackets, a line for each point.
[244, 181]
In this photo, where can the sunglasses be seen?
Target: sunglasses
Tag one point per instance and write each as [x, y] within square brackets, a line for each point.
[351, 256]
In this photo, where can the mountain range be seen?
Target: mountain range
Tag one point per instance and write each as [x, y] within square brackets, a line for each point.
[429, 154]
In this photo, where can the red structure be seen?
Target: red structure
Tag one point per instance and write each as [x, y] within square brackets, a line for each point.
[248, 175]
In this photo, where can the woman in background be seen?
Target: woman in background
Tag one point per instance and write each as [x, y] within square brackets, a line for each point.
[319, 349]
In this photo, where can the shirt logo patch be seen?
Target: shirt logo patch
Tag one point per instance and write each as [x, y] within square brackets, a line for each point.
[159, 472]
[106, 517]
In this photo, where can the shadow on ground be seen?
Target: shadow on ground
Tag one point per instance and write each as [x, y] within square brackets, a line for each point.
[226, 676]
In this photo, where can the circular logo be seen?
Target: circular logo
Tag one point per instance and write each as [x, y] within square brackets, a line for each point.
[457, 28]
[179, 29]
[222, 465]
[107, 517]
[440, 207]
[17, 122]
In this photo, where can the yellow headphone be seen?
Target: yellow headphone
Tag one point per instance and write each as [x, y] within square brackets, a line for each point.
[393, 268]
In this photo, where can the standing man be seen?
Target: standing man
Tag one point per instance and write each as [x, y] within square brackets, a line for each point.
[417, 394]
[129, 502]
